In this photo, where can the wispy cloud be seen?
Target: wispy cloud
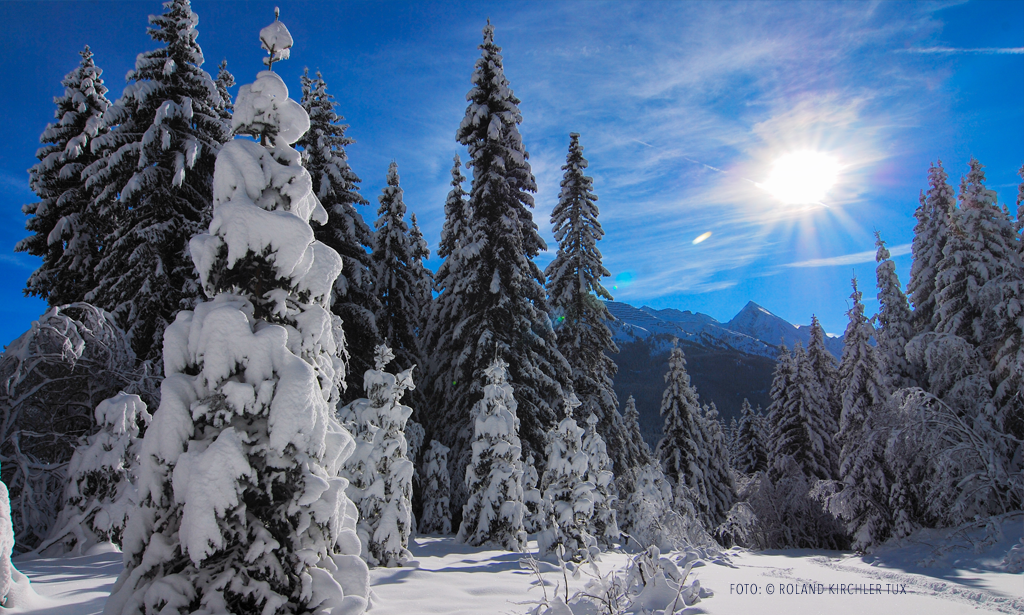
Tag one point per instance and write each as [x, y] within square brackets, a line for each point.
[850, 259]
[679, 124]
[959, 50]
[22, 262]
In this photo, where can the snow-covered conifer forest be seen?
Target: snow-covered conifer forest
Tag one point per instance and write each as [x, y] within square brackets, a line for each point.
[248, 397]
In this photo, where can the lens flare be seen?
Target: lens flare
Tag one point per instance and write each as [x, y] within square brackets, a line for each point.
[702, 238]
[624, 279]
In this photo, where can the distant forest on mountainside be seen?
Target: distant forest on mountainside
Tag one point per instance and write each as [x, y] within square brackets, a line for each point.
[721, 376]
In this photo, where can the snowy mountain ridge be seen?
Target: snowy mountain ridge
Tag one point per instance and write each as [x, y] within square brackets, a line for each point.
[754, 330]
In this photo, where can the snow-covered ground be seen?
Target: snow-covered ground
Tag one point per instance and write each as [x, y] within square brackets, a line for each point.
[934, 573]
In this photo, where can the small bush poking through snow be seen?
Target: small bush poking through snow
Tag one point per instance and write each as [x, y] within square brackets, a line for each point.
[649, 583]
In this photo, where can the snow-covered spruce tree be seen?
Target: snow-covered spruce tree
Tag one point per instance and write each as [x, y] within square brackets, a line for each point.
[66, 232]
[602, 524]
[575, 292]
[424, 277]
[893, 323]
[494, 478]
[638, 446]
[732, 439]
[533, 499]
[1003, 300]
[719, 484]
[224, 81]
[101, 473]
[241, 505]
[930, 234]
[638, 449]
[781, 388]
[437, 516]
[1005, 324]
[979, 248]
[395, 282]
[495, 301]
[751, 442]
[156, 180]
[680, 450]
[337, 187]
[456, 214]
[51, 379]
[799, 454]
[379, 471]
[802, 428]
[862, 499]
[568, 497]
[450, 281]
[386, 505]
[825, 367]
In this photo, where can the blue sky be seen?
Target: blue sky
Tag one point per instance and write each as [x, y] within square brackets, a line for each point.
[683, 108]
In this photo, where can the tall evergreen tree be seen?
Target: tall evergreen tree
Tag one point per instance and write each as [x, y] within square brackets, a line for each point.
[423, 276]
[780, 391]
[751, 444]
[863, 501]
[803, 428]
[224, 81]
[894, 327]
[456, 215]
[242, 508]
[824, 367]
[450, 281]
[638, 447]
[337, 187]
[575, 291]
[496, 301]
[156, 182]
[66, 232]
[680, 449]
[1005, 336]
[719, 484]
[929, 241]
[395, 280]
[979, 248]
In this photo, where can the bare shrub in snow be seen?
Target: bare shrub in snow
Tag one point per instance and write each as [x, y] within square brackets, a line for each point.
[648, 583]
[51, 379]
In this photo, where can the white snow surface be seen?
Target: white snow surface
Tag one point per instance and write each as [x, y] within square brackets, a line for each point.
[943, 572]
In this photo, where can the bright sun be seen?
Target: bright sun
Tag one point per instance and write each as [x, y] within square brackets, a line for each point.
[801, 178]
